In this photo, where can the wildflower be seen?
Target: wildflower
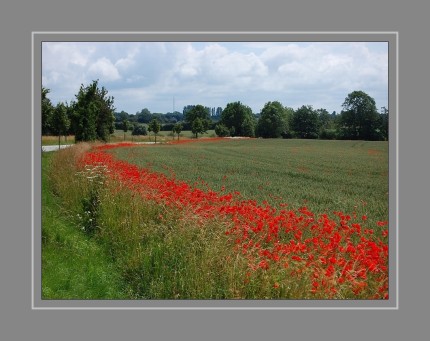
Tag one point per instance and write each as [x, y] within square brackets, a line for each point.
[330, 271]
[261, 231]
[264, 265]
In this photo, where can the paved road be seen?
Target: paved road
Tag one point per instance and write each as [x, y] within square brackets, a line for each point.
[55, 147]
[52, 148]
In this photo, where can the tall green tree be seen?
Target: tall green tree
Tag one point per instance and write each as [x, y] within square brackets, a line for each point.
[121, 116]
[124, 126]
[144, 116]
[59, 121]
[326, 121]
[198, 127]
[47, 111]
[273, 121]
[359, 119]
[93, 117]
[177, 128]
[382, 126]
[305, 122]
[327, 128]
[155, 127]
[239, 119]
[70, 113]
[198, 117]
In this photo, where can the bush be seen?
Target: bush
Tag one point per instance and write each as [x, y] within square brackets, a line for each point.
[167, 127]
[139, 129]
[221, 130]
[328, 134]
[287, 134]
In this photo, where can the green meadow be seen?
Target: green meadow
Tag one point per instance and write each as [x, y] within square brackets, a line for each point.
[325, 176]
[101, 240]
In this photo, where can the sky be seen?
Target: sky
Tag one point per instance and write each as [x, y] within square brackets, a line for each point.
[166, 76]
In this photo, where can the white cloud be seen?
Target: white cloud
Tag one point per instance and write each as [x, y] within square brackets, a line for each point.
[129, 60]
[103, 68]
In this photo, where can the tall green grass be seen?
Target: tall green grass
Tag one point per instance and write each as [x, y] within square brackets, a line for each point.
[73, 265]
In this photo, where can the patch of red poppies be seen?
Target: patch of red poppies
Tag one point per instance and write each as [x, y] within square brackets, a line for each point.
[337, 253]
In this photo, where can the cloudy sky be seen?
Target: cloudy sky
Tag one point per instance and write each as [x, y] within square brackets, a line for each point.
[166, 76]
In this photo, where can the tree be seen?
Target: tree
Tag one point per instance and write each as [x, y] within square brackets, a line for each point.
[124, 126]
[198, 127]
[273, 121]
[177, 128]
[121, 116]
[93, 117]
[327, 129]
[59, 121]
[382, 126]
[139, 129]
[359, 119]
[144, 116]
[70, 113]
[218, 112]
[186, 109]
[200, 114]
[155, 127]
[238, 118]
[221, 130]
[47, 111]
[173, 117]
[305, 122]
[325, 119]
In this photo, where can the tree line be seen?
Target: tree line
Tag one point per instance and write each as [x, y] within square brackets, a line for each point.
[89, 118]
[359, 120]
[92, 116]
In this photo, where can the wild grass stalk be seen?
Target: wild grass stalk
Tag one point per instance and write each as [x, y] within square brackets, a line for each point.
[74, 266]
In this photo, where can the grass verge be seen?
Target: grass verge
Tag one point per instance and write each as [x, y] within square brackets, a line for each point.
[74, 266]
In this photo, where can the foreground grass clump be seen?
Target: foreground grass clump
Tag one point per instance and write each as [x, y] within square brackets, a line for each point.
[73, 265]
[53, 140]
[162, 253]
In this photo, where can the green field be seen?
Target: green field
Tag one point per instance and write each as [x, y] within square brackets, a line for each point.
[101, 240]
[325, 176]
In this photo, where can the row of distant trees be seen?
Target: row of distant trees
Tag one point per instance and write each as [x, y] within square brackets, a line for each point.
[92, 117]
[359, 120]
[168, 119]
[89, 118]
